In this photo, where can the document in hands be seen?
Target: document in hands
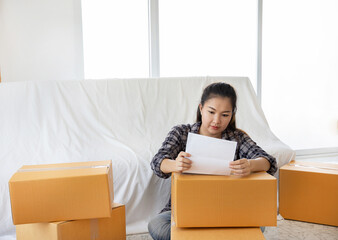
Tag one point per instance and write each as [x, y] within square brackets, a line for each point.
[210, 155]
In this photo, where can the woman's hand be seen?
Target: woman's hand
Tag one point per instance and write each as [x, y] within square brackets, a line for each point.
[182, 163]
[241, 167]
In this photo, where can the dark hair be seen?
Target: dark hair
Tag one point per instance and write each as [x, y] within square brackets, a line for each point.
[220, 89]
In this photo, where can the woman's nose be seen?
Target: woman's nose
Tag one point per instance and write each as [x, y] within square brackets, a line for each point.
[217, 119]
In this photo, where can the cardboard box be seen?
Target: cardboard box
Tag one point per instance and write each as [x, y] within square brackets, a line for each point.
[216, 233]
[224, 201]
[98, 229]
[308, 191]
[58, 192]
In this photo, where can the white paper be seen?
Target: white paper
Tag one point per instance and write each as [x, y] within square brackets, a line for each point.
[210, 155]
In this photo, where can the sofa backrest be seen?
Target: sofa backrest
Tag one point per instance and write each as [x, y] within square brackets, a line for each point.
[125, 120]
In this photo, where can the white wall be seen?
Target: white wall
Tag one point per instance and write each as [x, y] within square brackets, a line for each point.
[41, 40]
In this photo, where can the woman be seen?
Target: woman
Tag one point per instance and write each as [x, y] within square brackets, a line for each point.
[215, 118]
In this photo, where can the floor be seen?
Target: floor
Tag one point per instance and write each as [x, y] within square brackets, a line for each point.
[286, 229]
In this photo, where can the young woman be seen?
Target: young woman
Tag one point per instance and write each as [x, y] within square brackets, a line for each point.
[215, 118]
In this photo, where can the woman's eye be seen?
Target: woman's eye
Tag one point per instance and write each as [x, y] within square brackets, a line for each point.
[225, 115]
[211, 112]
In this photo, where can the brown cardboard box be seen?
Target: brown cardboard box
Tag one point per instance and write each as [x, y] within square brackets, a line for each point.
[58, 192]
[224, 201]
[308, 191]
[98, 229]
[215, 233]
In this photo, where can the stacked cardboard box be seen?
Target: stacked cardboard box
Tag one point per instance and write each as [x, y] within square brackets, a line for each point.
[57, 199]
[216, 233]
[214, 205]
[98, 229]
[309, 192]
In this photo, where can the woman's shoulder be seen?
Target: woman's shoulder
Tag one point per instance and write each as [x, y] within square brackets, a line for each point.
[238, 133]
[185, 128]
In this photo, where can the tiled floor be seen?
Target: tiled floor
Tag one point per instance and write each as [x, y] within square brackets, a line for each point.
[285, 230]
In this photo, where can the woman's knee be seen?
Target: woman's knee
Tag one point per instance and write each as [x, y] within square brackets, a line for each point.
[152, 225]
[159, 227]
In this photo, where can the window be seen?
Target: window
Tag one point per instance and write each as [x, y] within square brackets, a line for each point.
[219, 37]
[115, 38]
[214, 37]
[300, 73]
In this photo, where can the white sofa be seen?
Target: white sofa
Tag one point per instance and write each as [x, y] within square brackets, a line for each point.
[125, 120]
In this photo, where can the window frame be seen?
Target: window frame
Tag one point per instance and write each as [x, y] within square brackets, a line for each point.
[154, 38]
[154, 61]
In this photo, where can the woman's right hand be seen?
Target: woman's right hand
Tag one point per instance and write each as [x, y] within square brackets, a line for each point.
[182, 162]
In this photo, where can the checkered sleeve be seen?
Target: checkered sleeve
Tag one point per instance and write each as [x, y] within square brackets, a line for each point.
[250, 150]
[170, 148]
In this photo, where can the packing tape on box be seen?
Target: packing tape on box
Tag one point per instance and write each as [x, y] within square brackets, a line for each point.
[61, 168]
[94, 229]
[295, 164]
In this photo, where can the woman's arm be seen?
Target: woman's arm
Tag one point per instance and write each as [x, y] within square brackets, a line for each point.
[163, 163]
[252, 158]
[259, 164]
[250, 150]
[243, 167]
[180, 164]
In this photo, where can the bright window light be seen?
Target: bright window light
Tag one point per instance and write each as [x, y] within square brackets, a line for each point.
[115, 38]
[300, 71]
[208, 37]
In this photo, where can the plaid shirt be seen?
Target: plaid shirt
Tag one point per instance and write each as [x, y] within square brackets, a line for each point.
[176, 141]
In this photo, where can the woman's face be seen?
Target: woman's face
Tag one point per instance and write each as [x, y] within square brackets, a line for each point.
[216, 115]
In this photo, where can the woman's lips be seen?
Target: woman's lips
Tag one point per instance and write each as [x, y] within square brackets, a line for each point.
[214, 127]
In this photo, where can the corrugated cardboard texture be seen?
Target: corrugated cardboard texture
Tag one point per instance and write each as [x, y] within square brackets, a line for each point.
[91, 229]
[309, 192]
[224, 201]
[216, 233]
[57, 192]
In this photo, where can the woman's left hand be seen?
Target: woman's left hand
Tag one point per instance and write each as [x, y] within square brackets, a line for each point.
[241, 167]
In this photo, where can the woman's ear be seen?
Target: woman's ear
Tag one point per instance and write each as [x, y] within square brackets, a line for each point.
[200, 107]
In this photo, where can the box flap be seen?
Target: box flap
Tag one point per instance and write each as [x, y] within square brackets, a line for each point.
[62, 170]
[317, 167]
